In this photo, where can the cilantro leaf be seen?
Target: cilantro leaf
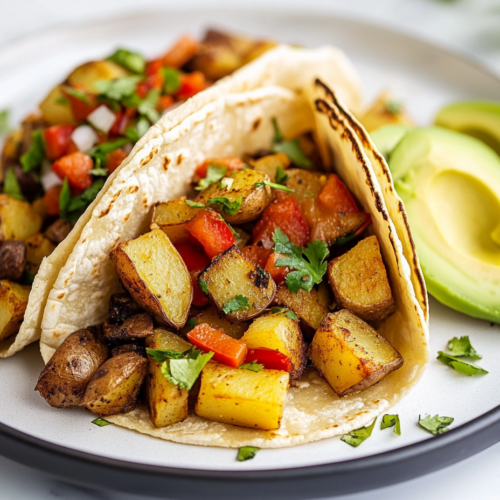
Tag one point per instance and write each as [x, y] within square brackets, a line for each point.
[147, 107]
[119, 88]
[11, 185]
[228, 207]
[191, 323]
[393, 107]
[99, 172]
[253, 366]
[306, 272]
[171, 80]
[133, 134]
[289, 314]
[203, 286]
[459, 365]
[129, 60]
[4, 121]
[214, 174]
[101, 422]
[246, 453]
[435, 425]
[184, 372]
[356, 437]
[235, 304]
[274, 185]
[281, 176]
[294, 153]
[28, 277]
[278, 136]
[161, 355]
[64, 198]
[461, 347]
[194, 204]
[78, 94]
[390, 421]
[99, 152]
[35, 154]
[63, 101]
[72, 208]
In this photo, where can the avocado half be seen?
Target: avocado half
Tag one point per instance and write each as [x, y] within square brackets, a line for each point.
[450, 185]
[385, 138]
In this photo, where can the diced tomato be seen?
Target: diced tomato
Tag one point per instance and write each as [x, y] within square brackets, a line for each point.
[80, 108]
[226, 350]
[194, 257]
[271, 359]
[285, 214]
[277, 273]
[257, 254]
[164, 102]
[212, 232]
[336, 197]
[182, 51]
[75, 167]
[154, 66]
[115, 159]
[199, 298]
[191, 84]
[231, 164]
[57, 140]
[142, 89]
[51, 200]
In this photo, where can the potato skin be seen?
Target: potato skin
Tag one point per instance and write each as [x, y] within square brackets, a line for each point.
[65, 377]
[115, 386]
[172, 217]
[12, 260]
[137, 349]
[121, 307]
[13, 302]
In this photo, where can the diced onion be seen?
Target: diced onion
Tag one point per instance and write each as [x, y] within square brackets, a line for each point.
[102, 118]
[84, 137]
[48, 177]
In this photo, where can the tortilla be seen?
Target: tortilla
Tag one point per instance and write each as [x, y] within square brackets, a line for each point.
[279, 66]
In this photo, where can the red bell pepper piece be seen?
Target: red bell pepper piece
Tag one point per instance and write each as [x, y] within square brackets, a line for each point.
[212, 232]
[75, 167]
[231, 164]
[191, 84]
[199, 298]
[271, 359]
[277, 273]
[81, 109]
[336, 197]
[164, 102]
[153, 67]
[194, 257]
[182, 51]
[58, 140]
[115, 159]
[283, 213]
[226, 350]
[51, 200]
[257, 254]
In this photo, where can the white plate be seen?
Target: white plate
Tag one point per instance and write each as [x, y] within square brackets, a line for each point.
[425, 77]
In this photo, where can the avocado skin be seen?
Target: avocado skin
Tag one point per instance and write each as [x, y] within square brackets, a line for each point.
[387, 137]
[479, 119]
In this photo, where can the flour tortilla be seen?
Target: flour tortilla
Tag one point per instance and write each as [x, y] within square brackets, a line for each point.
[283, 66]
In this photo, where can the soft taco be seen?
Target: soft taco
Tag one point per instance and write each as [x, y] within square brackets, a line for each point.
[233, 283]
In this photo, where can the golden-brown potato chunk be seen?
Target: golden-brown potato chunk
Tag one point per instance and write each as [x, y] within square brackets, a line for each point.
[172, 216]
[139, 326]
[13, 302]
[359, 281]
[87, 74]
[242, 397]
[18, 220]
[254, 199]
[231, 275]
[279, 332]
[64, 379]
[269, 164]
[156, 277]
[115, 386]
[55, 108]
[385, 111]
[350, 354]
[37, 247]
[217, 319]
[168, 403]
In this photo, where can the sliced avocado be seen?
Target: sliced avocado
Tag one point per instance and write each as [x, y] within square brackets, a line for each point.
[450, 185]
[480, 119]
[385, 138]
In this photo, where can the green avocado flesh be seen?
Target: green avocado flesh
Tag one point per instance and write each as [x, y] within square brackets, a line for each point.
[386, 138]
[480, 119]
[450, 185]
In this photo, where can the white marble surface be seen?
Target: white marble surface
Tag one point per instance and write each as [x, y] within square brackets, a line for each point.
[470, 26]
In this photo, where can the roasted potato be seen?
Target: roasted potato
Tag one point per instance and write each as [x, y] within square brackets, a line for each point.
[350, 354]
[136, 327]
[242, 239]
[13, 302]
[18, 220]
[311, 307]
[40, 207]
[230, 275]
[359, 281]
[12, 260]
[56, 109]
[137, 349]
[64, 379]
[87, 74]
[242, 397]
[168, 403]
[217, 319]
[115, 386]
[121, 307]
[270, 163]
[58, 231]
[254, 198]
[38, 246]
[156, 277]
[172, 216]
[281, 333]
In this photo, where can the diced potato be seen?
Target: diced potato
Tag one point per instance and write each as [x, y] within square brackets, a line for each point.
[311, 307]
[115, 386]
[270, 163]
[156, 277]
[359, 281]
[217, 319]
[350, 354]
[171, 218]
[37, 247]
[280, 333]
[254, 199]
[87, 74]
[305, 183]
[168, 403]
[12, 260]
[58, 231]
[385, 111]
[242, 397]
[40, 207]
[231, 274]
[56, 109]
[13, 302]
[18, 220]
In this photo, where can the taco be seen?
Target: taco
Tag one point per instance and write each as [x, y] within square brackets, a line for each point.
[263, 304]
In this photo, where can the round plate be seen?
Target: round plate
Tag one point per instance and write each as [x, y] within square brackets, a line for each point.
[65, 443]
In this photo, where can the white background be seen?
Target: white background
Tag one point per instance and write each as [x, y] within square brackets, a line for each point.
[469, 26]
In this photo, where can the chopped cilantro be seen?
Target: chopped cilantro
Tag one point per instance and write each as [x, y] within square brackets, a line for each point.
[235, 304]
[289, 314]
[461, 347]
[459, 365]
[100, 422]
[391, 421]
[203, 286]
[147, 107]
[228, 207]
[214, 174]
[307, 263]
[129, 60]
[4, 121]
[63, 101]
[435, 425]
[35, 154]
[119, 88]
[171, 80]
[191, 323]
[356, 437]
[72, 208]
[11, 185]
[253, 366]
[278, 137]
[99, 152]
[184, 372]
[99, 172]
[273, 185]
[393, 107]
[246, 453]
[78, 94]
[194, 204]
[281, 176]
[161, 355]
[289, 148]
